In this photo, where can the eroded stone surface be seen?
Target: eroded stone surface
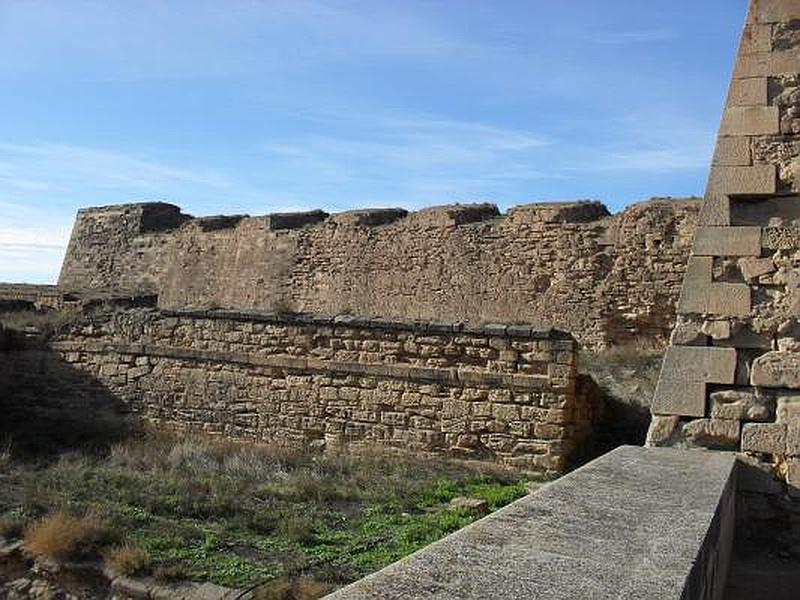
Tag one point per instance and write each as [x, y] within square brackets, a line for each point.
[741, 405]
[713, 433]
[769, 438]
[777, 369]
[661, 430]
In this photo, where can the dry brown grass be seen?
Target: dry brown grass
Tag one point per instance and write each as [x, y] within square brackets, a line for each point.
[306, 588]
[60, 536]
[11, 527]
[128, 559]
[302, 588]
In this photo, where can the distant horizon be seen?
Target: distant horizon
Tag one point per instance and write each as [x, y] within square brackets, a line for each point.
[282, 105]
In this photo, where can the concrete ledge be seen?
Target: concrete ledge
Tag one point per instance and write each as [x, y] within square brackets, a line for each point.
[636, 523]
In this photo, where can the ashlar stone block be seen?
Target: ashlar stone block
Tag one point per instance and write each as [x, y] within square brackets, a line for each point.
[767, 438]
[702, 296]
[748, 92]
[778, 368]
[729, 300]
[774, 11]
[676, 397]
[752, 268]
[740, 405]
[755, 180]
[765, 64]
[732, 152]
[727, 241]
[756, 38]
[787, 409]
[713, 433]
[716, 208]
[750, 120]
[696, 280]
[700, 364]
[793, 476]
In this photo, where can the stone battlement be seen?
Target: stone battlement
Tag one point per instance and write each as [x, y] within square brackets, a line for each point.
[570, 265]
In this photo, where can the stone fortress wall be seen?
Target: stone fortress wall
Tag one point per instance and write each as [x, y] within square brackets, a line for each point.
[731, 379]
[503, 393]
[604, 278]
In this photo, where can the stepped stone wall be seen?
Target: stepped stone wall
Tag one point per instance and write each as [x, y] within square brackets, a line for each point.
[503, 393]
[605, 278]
[35, 297]
[731, 379]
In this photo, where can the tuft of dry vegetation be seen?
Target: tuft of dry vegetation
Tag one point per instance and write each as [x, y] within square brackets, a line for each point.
[11, 527]
[60, 536]
[302, 588]
[128, 559]
[5, 455]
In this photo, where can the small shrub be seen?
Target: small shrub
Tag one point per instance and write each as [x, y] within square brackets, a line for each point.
[128, 559]
[192, 458]
[60, 536]
[278, 589]
[302, 588]
[297, 528]
[305, 588]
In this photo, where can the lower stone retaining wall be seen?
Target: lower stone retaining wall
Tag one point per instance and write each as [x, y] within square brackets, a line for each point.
[46, 403]
[497, 392]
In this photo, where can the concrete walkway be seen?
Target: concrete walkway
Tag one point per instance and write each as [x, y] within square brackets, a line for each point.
[629, 525]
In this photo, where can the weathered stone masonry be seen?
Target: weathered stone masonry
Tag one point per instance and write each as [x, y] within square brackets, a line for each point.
[503, 393]
[731, 378]
[572, 266]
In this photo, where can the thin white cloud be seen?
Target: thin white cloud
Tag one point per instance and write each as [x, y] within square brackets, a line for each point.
[623, 38]
[648, 143]
[32, 254]
[422, 153]
[46, 165]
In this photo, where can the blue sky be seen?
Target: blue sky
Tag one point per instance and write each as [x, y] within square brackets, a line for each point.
[248, 106]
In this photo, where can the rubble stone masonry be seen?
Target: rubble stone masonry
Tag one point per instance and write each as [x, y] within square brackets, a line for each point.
[496, 392]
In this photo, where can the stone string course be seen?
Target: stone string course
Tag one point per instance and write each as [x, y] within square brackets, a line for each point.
[731, 379]
[605, 278]
[502, 393]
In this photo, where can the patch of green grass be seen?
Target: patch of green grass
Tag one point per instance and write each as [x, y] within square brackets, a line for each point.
[240, 514]
[496, 494]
